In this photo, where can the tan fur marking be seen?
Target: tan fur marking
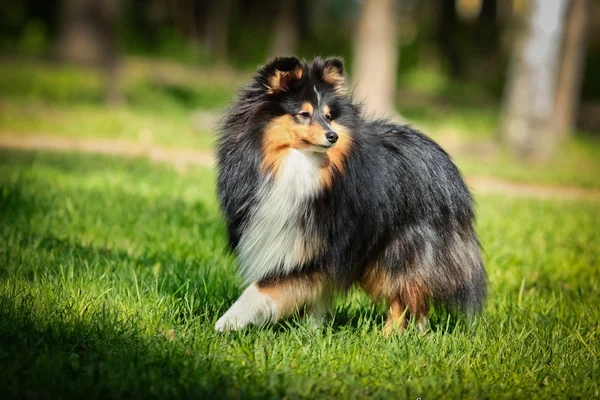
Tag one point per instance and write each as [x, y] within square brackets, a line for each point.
[308, 108]
[412, 294]
[416, 295]
[277, 140]
[275, 82]
[373, 282]
[326, 110]
[332, 76]
[396, 317]
[292, 292]
[337, 154]
[314, 134]
[378, 283]
[284, 133]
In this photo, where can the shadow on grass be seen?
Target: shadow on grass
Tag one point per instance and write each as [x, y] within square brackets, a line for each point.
[441, 319]
[49, 348]
[51, 357]
[373, 317]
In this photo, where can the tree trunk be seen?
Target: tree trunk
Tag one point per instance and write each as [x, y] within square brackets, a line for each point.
[446, 26]
[376, 58]
[530, 89]
[183, 14]
[571, 72]
[106, 18]
[217, 27]
[285, 42]
[89, 36]
[78, 41]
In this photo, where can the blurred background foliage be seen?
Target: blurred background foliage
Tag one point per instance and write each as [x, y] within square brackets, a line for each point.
[156, 62]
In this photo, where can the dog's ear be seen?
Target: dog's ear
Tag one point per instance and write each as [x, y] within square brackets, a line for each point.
[333, 74]
[279, 74]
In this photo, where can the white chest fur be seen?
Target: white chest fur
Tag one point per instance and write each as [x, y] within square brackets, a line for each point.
[273, 240]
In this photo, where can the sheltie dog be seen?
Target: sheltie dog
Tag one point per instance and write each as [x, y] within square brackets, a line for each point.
[316, 198]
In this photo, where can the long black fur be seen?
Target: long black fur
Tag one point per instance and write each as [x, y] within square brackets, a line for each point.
[400, 201]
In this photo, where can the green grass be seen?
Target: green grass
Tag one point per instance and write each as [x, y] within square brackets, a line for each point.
[161, 101]
[576, 163]
[113, 273]
[146, 84]
[173, 129]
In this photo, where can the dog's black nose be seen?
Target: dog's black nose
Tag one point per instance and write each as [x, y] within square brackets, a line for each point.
[331, 136]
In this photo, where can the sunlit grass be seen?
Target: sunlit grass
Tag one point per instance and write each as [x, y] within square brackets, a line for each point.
[576, 163]
[176, 128]
[113, 272]
[162, 102]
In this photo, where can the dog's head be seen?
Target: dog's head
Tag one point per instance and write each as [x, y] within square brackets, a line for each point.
[305, 105]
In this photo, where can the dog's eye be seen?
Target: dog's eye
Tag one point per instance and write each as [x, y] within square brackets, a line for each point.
[304, 115]
[328, 117]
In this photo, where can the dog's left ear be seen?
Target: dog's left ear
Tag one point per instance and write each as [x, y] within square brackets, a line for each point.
[333, 73]
[280, 73]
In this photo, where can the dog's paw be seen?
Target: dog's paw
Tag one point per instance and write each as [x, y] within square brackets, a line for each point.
[422, 324]
[252, 308]
[230, 322]
[315, 321]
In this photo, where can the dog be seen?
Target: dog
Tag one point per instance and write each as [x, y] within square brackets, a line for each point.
[317, 198]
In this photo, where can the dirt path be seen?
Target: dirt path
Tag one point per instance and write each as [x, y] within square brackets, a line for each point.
[182, 158]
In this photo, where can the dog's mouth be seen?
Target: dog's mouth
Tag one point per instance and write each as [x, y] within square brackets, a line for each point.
[321, 148]
[318, 148]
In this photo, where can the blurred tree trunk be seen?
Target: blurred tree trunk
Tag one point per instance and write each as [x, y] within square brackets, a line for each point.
[376, 58]
[446, 27]
[217, 26]
[286, 29]
[530, 89]
[88, 35]
[106, 18]
[571, 72]
[184, 13]
[77, 40]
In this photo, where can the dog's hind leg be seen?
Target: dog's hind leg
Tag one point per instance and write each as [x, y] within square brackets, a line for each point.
[273, 298]
[407, 296]
[396, 319]
[410, 301]
[320, 308]
[415, 295]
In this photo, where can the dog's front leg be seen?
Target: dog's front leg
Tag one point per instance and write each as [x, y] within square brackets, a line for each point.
[271, 299]
[253, 307]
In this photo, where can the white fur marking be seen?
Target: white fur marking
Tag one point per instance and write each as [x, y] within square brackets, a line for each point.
[273, 240]
[318, 97]
[422, 324]
[253, 307]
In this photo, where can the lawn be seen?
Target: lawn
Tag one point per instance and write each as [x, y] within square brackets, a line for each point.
[113, 273]
[575, 164]
[164, 103]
